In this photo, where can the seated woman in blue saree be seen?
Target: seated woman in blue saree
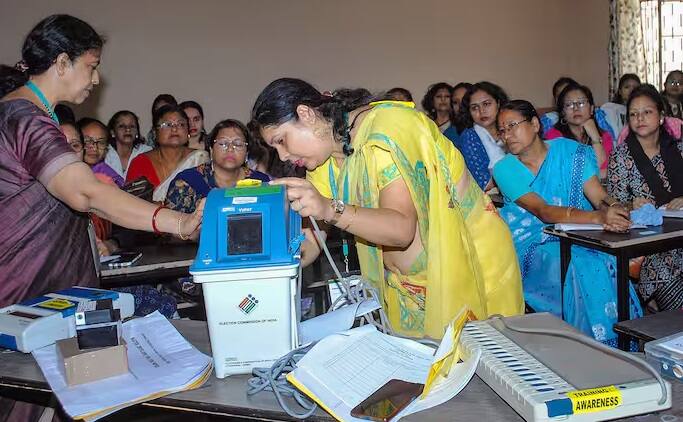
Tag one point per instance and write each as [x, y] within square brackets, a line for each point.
[479, 143]
[557, 182]
[227, 144]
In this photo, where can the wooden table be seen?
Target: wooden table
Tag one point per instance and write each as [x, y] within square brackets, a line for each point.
[624, 246]
[652, 327]
[21, 378]
[159, 261]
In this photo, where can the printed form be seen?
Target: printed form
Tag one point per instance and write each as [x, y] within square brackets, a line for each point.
[359, 369]
[343, 369]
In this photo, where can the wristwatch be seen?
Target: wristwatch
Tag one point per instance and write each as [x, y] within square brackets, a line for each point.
[338, 206]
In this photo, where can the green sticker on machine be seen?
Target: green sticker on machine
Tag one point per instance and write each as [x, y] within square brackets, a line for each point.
[253, 190]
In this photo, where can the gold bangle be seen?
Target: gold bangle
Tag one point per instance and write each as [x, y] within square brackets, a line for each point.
[180, 233]
[355, 210]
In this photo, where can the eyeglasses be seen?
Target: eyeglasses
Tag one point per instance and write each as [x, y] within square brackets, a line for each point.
[100, 143]
[76, 145]
[172, 125]
[510, 127]
[479, 107]
[576, 105]
[125, 127]
[675, 82]
[236, 145]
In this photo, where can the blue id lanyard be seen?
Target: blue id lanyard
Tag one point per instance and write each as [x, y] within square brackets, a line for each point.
[335, 194]
[43, 100]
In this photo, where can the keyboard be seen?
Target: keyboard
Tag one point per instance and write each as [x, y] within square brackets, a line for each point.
[550, 378]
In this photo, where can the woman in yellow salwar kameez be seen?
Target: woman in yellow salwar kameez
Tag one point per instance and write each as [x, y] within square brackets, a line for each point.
[428, 238]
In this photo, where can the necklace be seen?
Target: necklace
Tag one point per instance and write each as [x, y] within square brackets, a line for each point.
[346, 137]
[34, 88]
[448, 121]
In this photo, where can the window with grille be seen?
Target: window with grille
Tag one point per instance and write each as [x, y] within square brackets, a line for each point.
[662, 22]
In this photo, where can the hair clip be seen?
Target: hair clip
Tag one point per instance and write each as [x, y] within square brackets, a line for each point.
[21, 66]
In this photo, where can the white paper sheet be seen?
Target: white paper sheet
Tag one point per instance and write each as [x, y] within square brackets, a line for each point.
[446, 388]
[107, 258]
[160, 361]
[588, 227]
[672, 213]
[332, 322]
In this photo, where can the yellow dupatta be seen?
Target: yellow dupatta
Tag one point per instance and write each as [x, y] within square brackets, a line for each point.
[469, 255]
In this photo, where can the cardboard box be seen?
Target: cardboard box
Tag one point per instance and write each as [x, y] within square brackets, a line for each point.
[81, 366]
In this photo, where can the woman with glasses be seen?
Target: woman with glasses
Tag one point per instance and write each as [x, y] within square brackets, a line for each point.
[171, 156]
[73, 136]
[557, 182]
[228, 146]
[195, 117]
[648, 168]
[159, 101]
[576, 108]
[95, 143]
[673, 94]
[549, 119]
[479, 143]
[125, 142]
[429, 240]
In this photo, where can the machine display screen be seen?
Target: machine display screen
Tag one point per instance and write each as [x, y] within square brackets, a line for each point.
[23, 314]
[245, 234]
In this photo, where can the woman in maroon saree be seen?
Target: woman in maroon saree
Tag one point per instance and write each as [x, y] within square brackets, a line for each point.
[46, 191]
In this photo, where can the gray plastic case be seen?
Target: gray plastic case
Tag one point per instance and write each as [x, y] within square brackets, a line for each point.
[666, 355]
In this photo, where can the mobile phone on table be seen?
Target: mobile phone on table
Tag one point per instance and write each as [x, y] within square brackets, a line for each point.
[387, 401]
[125, 259]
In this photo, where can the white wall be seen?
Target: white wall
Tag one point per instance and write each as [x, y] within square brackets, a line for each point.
[222, 53]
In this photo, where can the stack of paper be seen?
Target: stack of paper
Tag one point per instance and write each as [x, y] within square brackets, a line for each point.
[345, 368]
[588, 226]
[672, 213]
[160, 361]
[577, 226]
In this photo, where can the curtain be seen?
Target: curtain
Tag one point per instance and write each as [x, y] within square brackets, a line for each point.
[626, 52]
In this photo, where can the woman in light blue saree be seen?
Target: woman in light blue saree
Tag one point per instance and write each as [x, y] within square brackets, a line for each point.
[557, 182]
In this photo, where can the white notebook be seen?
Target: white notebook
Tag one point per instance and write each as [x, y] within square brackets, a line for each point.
[672, 213]
[588, 227]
